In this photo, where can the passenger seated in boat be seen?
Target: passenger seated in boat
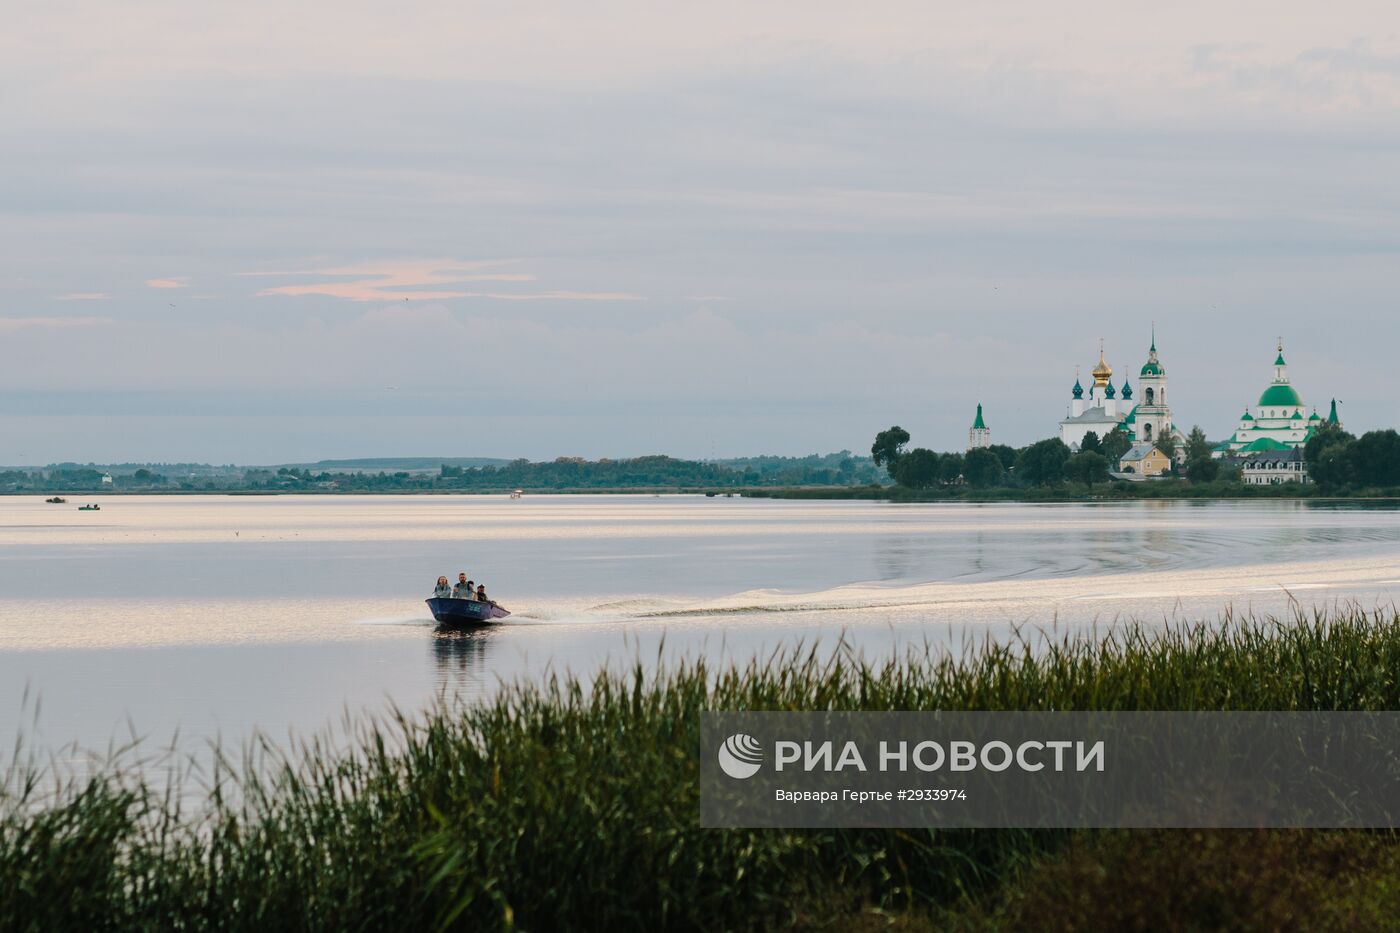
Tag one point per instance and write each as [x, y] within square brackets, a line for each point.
[443, 590]
[463, 589]
[469, 592]
[481, 593]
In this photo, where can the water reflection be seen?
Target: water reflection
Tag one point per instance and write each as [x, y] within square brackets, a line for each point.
[898, 557]
[460, 656]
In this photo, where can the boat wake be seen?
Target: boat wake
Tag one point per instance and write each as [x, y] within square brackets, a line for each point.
[1145, 594]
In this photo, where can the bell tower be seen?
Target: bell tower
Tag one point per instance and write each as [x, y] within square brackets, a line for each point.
[1153, 411]
[979, 435]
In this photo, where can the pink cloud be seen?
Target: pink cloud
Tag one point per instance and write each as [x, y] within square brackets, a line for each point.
[82, 296]
[395, 281]
[409, 280]
[178, 282]
[366, 290]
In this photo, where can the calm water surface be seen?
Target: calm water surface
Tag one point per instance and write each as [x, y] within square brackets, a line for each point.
[220, 615]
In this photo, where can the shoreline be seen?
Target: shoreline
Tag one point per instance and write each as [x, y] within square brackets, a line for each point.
[1173, 491]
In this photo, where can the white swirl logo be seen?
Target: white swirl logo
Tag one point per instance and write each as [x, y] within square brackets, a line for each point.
[740, 756]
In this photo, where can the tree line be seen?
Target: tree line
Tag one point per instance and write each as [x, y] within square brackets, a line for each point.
[1043, 463]
[563, 473]
[1338, 460]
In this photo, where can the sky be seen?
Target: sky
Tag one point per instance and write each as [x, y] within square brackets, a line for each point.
[267, 232]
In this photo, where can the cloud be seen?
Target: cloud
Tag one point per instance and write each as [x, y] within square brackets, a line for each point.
[406, 280]
[176, 282]
[395, 280]
[82, 296]
[11, 324]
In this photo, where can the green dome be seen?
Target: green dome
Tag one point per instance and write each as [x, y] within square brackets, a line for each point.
[1152, 369]
[1280, 395]
[1247, 417]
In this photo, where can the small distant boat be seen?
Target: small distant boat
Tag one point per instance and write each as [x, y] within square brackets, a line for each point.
[517, 493]
[465, 611]
[89, 508]
[57, 500]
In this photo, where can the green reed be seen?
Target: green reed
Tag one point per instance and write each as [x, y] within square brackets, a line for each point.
[575, 805]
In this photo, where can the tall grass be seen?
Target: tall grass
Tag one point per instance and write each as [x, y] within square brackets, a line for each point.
[572, 805]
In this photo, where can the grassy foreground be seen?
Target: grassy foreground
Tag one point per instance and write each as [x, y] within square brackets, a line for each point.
[560, 807]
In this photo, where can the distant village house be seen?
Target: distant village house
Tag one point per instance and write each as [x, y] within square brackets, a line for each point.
[1144, 460]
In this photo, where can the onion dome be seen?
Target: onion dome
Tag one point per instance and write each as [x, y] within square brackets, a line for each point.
[1109, 391]
[1280, 395]
[1247, 416]
[1078, 389]
[1153, 366]
[1314, 416]
[1127, 392]
[1102, 372]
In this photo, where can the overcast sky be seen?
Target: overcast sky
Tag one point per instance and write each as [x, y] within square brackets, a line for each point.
[267, 232]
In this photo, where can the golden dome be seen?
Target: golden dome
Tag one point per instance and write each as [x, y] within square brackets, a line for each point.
[1102, 372]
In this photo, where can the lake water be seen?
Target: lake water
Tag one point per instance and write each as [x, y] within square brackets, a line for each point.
[215, 616]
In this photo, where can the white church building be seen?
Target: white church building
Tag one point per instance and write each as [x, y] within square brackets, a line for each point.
[1277, 422]
[1104, 408]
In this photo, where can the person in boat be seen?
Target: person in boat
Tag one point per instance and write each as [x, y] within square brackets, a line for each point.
[463, 589]
[443, 590]
[481, 594]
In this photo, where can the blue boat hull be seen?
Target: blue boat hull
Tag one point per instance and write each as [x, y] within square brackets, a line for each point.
[465, 611]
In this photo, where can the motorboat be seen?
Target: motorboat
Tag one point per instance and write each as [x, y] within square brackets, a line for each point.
[517, 493]
[56, 500]
[453, 611]
[90, 508]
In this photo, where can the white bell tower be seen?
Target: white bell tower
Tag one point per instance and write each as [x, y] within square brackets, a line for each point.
[979, 435]
[1154, 410]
